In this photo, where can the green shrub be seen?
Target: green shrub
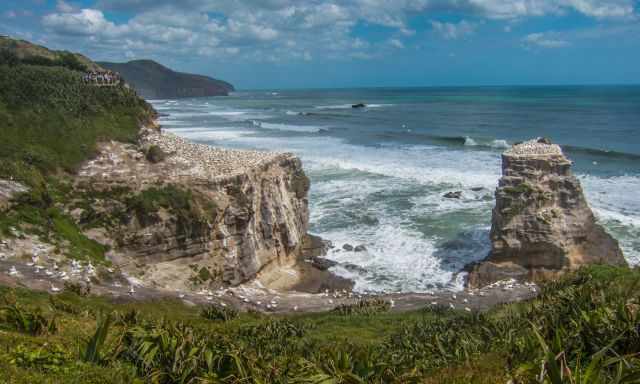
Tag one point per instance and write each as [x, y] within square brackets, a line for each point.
[23, 320]
[215, 312]
[155, 154]
[363, 307]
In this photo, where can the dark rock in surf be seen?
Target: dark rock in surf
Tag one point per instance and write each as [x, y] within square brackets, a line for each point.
[453, 195]
[347, 247]
[322, 264]
[360, 248]
[359, 105]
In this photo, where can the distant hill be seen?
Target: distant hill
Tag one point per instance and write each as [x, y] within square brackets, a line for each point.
[30, 53]
[154, 81]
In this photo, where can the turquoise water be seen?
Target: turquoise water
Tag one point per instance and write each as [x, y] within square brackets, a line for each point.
[378, 173]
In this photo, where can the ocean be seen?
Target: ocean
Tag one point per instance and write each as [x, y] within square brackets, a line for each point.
[379, 173]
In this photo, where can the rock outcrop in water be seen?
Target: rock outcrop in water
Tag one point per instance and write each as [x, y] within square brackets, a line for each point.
[541, 224]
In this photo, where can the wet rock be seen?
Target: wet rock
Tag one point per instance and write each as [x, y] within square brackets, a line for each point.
[360, 248]
[353, 268]
[347, 247]
[315, 246]
[359, 105]
[453, 195]
[322, 264]
[477, 189]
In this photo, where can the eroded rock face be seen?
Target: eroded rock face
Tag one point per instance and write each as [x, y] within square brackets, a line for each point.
[235, 224]
[541, 225]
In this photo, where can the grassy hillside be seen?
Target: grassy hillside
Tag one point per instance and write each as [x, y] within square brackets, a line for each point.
[28, 52]
[50, 122]
[152, 80]
[583, 329]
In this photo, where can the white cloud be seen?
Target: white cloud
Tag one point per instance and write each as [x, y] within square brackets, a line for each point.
[64, 7]
[452, 31]
[544, 40]
[268, 29]
[84, 22]
[396, 43]
[603, 9]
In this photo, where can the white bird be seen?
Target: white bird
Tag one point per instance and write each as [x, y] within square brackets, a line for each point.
[245, 300]
[223, 304]
[454, 297]
[295, 308]
[467, 309]
[434, 303]
[452, 306]
[465, 301]
[48, 272]
[181, 295]
[54, 288]
[393, 303]
[330, 301]
[13, 271]
[258, 302]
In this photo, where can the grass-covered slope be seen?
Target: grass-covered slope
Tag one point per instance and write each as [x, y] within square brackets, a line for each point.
[582, 329]
[50, 122]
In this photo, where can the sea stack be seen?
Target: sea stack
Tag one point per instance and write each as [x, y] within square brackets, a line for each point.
[541, 225]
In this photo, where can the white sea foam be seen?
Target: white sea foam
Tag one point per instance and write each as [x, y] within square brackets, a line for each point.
[228, 113]
[470, 142]
[379, 105]
[339, 106]
[389, 198]
[500, 144]
[287, 127]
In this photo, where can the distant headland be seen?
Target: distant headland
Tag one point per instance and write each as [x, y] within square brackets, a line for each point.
[152, 80]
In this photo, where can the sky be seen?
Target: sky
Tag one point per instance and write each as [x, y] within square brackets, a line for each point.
[277, 44]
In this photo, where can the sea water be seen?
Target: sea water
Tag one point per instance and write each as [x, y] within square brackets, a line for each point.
[379, 173]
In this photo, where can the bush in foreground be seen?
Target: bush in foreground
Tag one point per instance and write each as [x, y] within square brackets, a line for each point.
[584, 328]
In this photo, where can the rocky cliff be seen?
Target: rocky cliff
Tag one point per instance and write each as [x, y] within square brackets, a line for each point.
[197, 216]
[541, 225]
[154, 81]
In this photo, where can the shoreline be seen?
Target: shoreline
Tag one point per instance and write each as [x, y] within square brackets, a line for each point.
[254, 296]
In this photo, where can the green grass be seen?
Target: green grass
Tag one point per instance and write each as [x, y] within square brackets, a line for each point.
[50, 123]
[586, 324]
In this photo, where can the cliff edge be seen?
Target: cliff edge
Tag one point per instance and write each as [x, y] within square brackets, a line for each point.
[541, 225]
[180, 215]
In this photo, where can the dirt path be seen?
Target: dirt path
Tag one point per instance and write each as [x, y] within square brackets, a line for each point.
[255, 297]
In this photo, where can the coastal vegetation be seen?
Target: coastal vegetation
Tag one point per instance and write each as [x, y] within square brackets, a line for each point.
[584, 328]
[51, 122]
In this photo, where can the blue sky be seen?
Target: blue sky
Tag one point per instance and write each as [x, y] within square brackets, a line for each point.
[327, 44]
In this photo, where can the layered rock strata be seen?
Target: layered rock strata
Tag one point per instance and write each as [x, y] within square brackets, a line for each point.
[541, 225]
[200, 215]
